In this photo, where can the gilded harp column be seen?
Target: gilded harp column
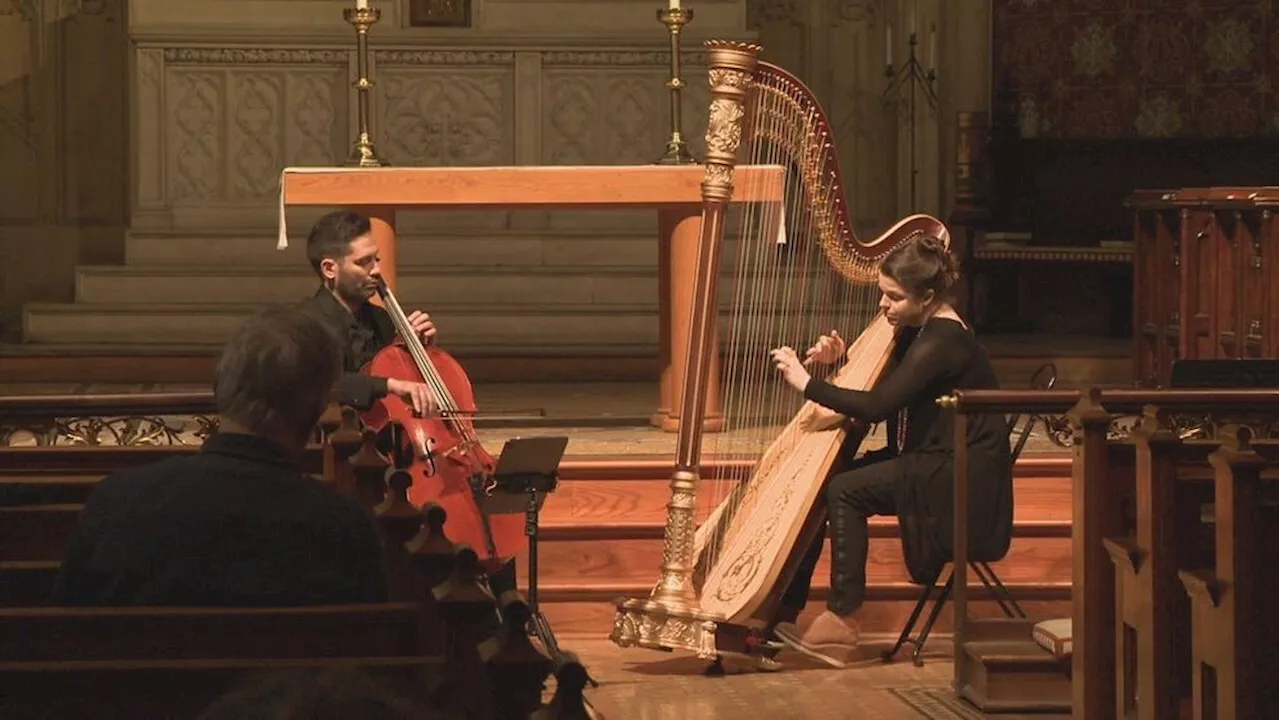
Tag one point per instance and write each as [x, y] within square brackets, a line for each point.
[671, 617]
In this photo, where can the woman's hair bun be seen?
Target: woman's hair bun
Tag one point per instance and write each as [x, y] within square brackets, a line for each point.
[932, 244]
[949, 269]
[921, 264]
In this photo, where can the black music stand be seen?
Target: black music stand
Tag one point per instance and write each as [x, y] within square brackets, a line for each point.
[528, 470]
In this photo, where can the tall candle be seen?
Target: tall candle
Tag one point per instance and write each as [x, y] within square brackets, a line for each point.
[888, 44]
[362, 4]
[673, 4]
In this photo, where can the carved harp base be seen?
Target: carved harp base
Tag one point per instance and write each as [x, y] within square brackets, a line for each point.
[657, 626]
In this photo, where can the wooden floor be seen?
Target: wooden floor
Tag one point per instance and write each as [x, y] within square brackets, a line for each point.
[650, 685]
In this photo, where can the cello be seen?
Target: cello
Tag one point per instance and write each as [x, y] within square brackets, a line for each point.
[448, 464]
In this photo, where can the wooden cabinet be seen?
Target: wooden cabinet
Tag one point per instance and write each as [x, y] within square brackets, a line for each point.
[1205, 272]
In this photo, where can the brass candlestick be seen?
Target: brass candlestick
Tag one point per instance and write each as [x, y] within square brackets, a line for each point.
[362, 153]
[677, 152]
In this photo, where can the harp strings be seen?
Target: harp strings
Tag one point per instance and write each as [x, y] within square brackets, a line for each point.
[784, 281]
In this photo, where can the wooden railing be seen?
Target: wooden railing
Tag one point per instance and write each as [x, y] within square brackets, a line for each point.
[1144, 462]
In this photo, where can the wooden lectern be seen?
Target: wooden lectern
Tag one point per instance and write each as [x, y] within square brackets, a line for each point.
[1205, 262]
[674, 191]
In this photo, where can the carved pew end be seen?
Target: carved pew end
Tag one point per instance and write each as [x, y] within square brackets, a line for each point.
[399, 518]
[431, 548]
[569, 703]
[468, 614]
[467, 608]
[464, 585]
[370, 469]
[517, 669]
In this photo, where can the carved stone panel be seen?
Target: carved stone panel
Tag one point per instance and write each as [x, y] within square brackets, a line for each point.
[233, 118]
[435, 116]
[613, 108]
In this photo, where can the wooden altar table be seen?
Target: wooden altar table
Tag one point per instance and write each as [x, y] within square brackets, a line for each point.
[674, 191]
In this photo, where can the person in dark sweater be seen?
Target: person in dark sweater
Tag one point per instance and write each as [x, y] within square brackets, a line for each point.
[935, 353]
[239, 523]
[343, 253]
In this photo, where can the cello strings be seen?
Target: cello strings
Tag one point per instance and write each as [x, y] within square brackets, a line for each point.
[444, 399]
[413, 344]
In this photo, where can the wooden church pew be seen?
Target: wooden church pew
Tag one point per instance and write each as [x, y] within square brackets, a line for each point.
[178, 689]
[156, 633]
[1233, 628]
[172, 662]
[37, 532]
[1118, 484]
[157, 662]
[1170, 486]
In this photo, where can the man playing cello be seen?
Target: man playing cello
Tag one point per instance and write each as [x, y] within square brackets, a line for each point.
[344, 255]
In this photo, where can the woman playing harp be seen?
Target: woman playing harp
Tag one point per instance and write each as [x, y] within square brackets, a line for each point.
[912, 477]
[792, 268]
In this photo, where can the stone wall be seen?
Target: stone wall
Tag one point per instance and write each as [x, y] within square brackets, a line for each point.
[201, 102]
[63, 124]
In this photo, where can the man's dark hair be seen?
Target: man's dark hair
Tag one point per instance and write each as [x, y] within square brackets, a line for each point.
[332, 234]
[277, 372]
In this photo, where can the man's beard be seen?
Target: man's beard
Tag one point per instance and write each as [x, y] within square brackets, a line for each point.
[352, 290]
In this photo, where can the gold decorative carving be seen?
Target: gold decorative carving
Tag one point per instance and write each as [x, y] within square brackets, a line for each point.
[729, 78]
[648, 624]
[718, 175]
[1062, 432]
[130, 430]
[656, 58]
[392, 56]
[250, 56]
[444, 57]
[1185, 426]
[724, 127]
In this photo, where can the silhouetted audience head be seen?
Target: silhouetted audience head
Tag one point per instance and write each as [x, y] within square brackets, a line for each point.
[336, 693]
[276, 375]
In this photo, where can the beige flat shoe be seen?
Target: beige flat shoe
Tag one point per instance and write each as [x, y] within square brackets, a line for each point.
[827, 640]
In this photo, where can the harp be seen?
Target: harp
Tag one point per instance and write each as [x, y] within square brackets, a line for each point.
[794, 270]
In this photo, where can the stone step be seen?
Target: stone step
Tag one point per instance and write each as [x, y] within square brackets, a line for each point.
[533, 327]
[495, 248]
[417, 286]
[572, 329]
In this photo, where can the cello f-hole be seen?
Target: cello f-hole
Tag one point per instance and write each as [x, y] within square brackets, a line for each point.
[424, 448]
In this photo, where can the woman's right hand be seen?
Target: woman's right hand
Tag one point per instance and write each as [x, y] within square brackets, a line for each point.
[827, 350]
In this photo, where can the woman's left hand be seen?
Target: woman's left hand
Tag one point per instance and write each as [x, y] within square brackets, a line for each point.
[788, 363]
